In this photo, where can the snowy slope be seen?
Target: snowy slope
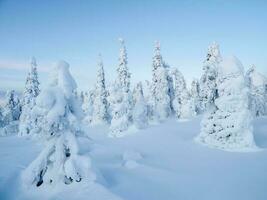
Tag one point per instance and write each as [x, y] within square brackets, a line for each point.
[159, 163]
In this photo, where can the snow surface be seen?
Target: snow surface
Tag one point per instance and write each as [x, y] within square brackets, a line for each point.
[230, 66]
[169, 165]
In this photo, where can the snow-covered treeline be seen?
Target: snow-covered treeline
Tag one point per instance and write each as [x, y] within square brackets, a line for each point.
[123, 105]
[226, 95]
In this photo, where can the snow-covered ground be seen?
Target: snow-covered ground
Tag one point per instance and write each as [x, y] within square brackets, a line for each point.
[161, 162]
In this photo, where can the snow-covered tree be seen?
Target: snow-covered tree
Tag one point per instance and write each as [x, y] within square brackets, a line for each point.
[82, 97]
[147, 91]
[88, 106]
[182, 103]
[59, 161]
[1, 118]
[31, 91]
[227, 124]
[160, 71]
[195, 95]
[140, 111]
[208, 79]
[12, 108]
[121, 97]
[121, 110]
[162, 108]
[258, 96]
[10, 113]
[100, 111]
[123, 74]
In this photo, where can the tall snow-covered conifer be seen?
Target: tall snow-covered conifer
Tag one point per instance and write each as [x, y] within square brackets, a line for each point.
[227, 125]
[59, 161]
[121, 97]
[208, 79]
[31, 91]
[161, 87]
[100, 112]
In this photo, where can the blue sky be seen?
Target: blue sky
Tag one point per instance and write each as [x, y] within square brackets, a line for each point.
[77, 31]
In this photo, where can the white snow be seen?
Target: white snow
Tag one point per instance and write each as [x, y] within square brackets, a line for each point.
[170, 166]
[230, 65]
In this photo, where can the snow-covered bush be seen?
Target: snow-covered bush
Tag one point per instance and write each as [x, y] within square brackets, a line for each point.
[59, 161]
[100, 110]
[227, 124]
[182, 103]
[140, 111]
[27, 121]
[258, 95]
[208, 79]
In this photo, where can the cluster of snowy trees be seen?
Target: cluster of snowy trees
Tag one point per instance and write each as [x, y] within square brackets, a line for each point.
[122, 105]
[228, 97]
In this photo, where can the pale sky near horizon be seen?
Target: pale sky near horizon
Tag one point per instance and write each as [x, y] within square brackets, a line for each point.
[78, 30]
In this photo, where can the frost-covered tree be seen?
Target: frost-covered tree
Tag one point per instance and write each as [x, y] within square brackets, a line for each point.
[12, 108]
[123, 74]
[121, 97]
[59, 161]
[88, 106]
[1, 118]
[140, 111]
[162, 108]
[100, 111]
[10, 113]
[227, 125]
[182, 102]
[82, 97]
[258, 95]
[147, 91]
[208, 79]
[121, 110]
[160, 71]
[195, 96]
[31, 91]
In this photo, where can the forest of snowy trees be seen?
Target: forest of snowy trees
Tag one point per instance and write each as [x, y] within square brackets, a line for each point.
[225, 94]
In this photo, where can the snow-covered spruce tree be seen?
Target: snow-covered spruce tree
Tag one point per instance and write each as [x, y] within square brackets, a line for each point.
[182, 103]
[160, 71]
[140, 111]
[100, 111]
[195, 96]
[12, 108]
[121, 98]
[31, 91]
[208, 79]
[1, 117]
[227, 125]
[162, 109]
[88, 106]
[258, 95]
[59, 161]
[11, 113]
[147, 91]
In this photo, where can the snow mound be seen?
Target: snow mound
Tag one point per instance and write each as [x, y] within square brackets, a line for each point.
[131, 159]
[230, 66]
